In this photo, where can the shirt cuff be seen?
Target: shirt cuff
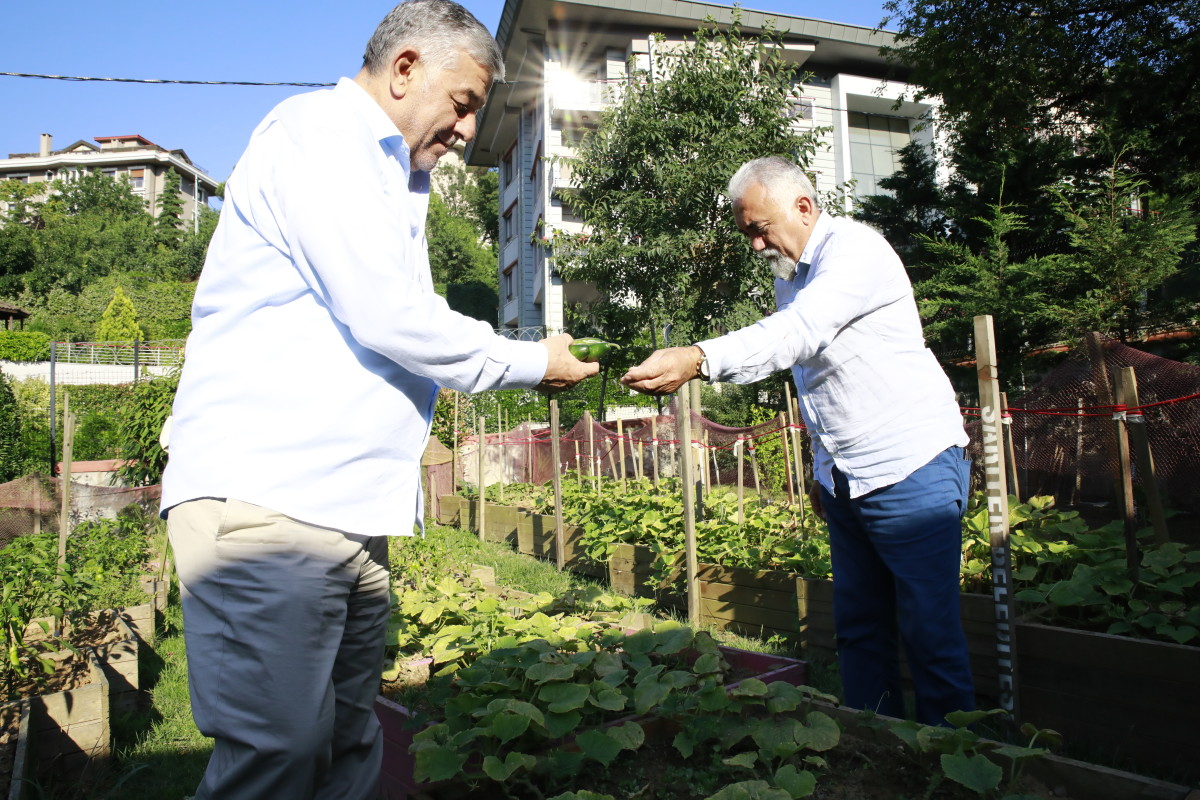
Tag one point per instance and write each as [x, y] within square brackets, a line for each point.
[515, 365]
[719, 353]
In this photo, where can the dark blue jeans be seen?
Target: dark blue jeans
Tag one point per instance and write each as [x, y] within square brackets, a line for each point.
[896, 556]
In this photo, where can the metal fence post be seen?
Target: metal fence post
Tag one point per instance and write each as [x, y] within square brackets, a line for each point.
[135, 360]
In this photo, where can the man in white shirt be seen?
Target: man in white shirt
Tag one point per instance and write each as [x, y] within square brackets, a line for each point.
[888, 437]
[305, 403]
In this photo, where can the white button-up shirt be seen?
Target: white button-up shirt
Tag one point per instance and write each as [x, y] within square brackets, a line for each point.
[874, 398]
[318, 343]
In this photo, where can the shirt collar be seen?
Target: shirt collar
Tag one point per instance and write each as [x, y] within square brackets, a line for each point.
[378, 122]
[821, 229]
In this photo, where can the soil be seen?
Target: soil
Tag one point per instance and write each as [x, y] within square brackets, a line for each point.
[10, 723]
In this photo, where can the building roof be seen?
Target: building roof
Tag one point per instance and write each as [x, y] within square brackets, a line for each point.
[13, 311]
[831, 47]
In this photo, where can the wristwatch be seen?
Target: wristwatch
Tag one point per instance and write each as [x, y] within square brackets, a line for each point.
[702, 365]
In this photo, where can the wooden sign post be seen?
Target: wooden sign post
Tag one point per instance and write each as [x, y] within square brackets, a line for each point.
[997, 504]
[688, 472]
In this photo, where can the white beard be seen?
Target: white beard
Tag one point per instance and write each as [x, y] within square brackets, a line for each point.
[783, 267]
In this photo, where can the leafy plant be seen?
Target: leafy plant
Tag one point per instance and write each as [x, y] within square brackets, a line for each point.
[141, 427]
[525, 720]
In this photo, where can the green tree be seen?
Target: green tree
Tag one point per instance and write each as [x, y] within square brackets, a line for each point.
[1122, 69]
[119, 321]
[141, 427]
[170, 211]
[660, 244]
[11, 456]
[1125, 247]
[455, 252]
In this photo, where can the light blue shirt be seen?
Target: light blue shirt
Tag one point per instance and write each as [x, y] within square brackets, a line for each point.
[318, 343]
[873, 396]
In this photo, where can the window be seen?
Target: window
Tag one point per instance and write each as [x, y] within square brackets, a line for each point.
[506, 282]
[508, 227]
[875, 144]
[537, 160]
[19, 178]
[110, 172]
[800, 108]
[137, 179]
[506, 168]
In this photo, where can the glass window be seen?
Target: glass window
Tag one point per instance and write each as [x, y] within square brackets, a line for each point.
[137, 179]
[875, 142]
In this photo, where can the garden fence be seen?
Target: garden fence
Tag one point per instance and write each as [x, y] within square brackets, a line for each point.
[1062, 432]
[33, 504]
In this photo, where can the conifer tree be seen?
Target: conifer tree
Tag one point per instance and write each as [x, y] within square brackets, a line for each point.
[119, 321]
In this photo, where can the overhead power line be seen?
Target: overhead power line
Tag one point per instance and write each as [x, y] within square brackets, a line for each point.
[157, 80]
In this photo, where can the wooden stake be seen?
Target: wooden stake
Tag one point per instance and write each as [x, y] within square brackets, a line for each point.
[578, 466]
[997, 503]
[68, 455]
[754, 472]
[1125, 466]
[621, 449]
[639, 463]
[741, 481]
[1078, 452]
[654, 449]
[798, 453]
[1010, 450]
[1135, 421]
[454, 450]
[560, 543]
[500, 430]
[689, 504]
[787, 457]
[482, 503]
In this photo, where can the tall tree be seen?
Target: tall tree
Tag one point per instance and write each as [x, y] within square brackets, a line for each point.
[1123, 69]
[170, 210]
[660, 244]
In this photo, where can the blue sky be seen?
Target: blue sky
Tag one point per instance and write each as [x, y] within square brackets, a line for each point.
[300, 41]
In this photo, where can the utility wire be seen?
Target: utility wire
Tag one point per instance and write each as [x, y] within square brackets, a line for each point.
[157, 80]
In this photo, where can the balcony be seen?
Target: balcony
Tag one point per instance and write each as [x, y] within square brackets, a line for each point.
[573, 99]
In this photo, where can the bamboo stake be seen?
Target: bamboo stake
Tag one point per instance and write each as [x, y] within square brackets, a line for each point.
[639, 464]
[480, 513]
[787, 457]
[1135, 421]
[705, 477]
[994, 472]
[689, 505]
[560, 543]
[1010, 450]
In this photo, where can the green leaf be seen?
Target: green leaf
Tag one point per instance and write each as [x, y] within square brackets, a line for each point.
[648, 694]
[507, 726]
[750, 790]
[543, 672]
[499, 770]
[630, 735]
[599, 746]
[746, 760]
[797, 783]
[975, 772]
[562, 697]
[562, 725]
[438, 763]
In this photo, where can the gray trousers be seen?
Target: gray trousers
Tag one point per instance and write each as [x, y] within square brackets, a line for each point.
[284, 624]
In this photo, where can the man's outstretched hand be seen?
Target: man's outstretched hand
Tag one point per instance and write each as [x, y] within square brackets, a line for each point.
[563, 370]
[665, 370]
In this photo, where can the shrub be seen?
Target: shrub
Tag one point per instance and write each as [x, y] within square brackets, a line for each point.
[24, 346]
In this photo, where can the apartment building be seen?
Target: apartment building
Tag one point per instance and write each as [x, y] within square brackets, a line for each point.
[145, 164]
[560, 55]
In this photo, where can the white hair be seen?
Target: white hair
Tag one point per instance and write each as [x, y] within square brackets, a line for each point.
[783, 180]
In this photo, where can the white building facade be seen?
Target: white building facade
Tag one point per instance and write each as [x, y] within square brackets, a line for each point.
[562, 57]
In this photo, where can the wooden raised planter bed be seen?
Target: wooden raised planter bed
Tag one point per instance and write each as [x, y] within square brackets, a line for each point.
[20, 770]
[396, 775]
[1132, 700]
